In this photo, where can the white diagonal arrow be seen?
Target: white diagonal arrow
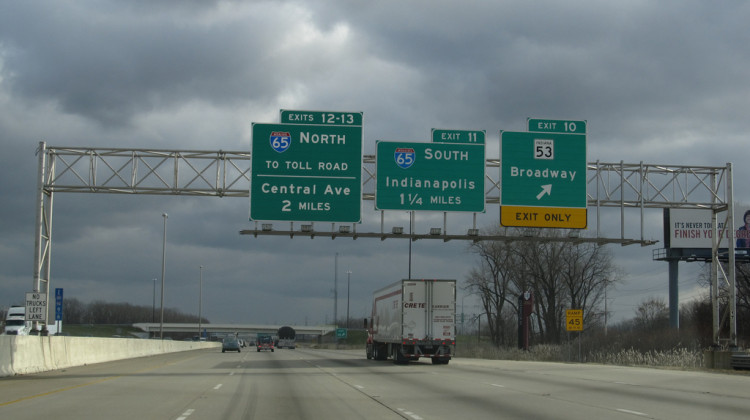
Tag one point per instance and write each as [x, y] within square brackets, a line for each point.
[546, 189]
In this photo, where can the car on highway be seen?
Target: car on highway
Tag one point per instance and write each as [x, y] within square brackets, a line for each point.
[264, 342]
[231, 344]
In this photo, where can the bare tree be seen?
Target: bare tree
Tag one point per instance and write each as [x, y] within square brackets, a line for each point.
[544, 266]
[101, 312]
[652, 314]
[589, 270]
[561, 274]
[492, 280]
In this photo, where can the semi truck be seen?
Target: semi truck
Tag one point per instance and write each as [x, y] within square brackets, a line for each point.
[287, 338]
[15, 321]
[412, 319]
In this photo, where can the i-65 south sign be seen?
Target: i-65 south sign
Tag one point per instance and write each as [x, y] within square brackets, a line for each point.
[430, 176]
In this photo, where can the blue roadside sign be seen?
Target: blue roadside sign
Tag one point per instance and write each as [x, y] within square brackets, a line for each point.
[58, 304]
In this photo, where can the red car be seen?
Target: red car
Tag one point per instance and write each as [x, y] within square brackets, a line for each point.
[265, 343]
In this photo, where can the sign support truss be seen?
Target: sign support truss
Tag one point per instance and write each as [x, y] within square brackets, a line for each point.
[227, 174]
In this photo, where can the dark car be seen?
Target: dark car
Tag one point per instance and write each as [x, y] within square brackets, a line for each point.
[230, 343]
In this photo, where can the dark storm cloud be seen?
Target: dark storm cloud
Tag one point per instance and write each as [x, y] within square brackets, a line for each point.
[662, 82]
[109, 61]
[509, 60]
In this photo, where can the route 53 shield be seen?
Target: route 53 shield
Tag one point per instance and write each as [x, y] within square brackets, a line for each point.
[280, 141]
[404, 157]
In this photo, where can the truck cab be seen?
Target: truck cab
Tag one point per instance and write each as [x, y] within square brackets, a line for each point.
[15, 321]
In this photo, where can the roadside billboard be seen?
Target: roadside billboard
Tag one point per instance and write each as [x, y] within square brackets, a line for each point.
[692, 228]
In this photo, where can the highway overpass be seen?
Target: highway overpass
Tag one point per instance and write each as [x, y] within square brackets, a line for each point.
[232, 328]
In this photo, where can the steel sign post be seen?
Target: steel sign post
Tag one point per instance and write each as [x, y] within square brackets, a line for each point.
[543, 180]
[430, 176]
[306, 172]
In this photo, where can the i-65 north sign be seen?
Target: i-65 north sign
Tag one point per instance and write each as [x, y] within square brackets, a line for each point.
[543, 180]
[306, 173]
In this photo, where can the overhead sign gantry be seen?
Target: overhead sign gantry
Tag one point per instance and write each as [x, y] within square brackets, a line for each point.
[222, 173]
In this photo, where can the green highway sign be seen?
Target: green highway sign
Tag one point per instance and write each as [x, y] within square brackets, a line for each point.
[306, 173]
[341, 332]
[543, 180]
[321, 117]
[557, 126]
[430, 176]
[458, 136]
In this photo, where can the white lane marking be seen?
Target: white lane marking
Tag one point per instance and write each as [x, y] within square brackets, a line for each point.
[359, 386]
[635, 413]
[218, 386]
[498, 385]
[185, 415]
[231, 373]
[410, 414]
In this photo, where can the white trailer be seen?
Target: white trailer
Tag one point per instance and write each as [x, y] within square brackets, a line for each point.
[413, 319]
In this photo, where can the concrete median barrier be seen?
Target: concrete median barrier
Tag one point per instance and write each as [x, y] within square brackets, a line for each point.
[31, 354]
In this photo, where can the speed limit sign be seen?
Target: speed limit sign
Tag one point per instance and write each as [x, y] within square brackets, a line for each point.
[574, 320]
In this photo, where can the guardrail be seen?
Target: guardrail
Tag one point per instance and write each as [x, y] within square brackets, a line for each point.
[740, 361]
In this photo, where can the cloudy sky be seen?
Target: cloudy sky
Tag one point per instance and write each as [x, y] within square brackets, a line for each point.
[660, 82]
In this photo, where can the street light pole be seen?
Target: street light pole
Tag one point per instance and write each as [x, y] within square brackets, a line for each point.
[605, 308]
[163, 262]
[479, 327]
[348, 280]
[153, 304]
[200, 303]
[335, 289]
[411, 226]
[462, 314]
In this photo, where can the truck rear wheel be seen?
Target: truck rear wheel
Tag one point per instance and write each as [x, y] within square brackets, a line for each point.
[398, 358]
[380, 351]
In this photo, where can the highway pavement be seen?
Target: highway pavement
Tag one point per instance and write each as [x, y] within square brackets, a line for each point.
[337, 384]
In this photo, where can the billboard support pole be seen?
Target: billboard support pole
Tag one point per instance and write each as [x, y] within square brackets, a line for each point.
[674, 294]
